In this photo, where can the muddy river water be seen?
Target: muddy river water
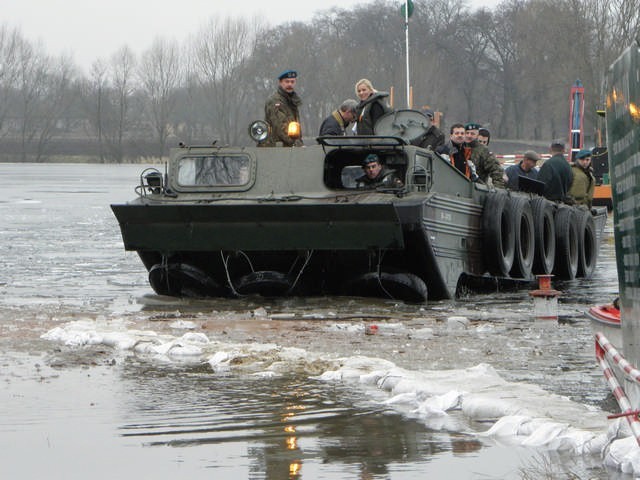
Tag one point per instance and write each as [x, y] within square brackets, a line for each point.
[100, 378]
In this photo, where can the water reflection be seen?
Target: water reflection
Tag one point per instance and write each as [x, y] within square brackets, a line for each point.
[284, 422]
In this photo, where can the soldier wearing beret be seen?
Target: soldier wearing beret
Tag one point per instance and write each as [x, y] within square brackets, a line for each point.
[487, 166]
[377, 175]
[584, 182]
[281, 109]
[471, 131]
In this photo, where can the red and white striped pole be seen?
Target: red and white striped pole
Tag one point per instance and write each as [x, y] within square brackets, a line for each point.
[604, 349]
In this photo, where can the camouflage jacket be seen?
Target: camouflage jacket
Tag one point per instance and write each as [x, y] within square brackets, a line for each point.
[487, 166]
[280, 109]
[582, 186]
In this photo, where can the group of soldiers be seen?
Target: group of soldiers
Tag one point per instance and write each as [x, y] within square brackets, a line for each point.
[467, 148]
[563, 182]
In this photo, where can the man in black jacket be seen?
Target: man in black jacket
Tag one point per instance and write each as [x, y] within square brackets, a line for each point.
[556, 174]
[337, 122]
[454, 151]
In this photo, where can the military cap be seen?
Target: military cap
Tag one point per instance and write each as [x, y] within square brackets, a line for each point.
[583, 154]
[472, 126]
[372, 157]
[531, 155]
[558, 143]
[288, 74]
[428, 112]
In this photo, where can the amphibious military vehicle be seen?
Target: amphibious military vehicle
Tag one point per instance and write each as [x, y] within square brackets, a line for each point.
[233, 221]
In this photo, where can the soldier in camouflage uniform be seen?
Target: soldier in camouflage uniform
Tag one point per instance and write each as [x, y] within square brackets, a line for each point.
[487, 166]
[280, 109]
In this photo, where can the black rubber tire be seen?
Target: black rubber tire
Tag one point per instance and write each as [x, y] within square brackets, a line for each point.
[566, 264]
[498, 236]
[267, 283]
[182, 280]
[587, 244]
[545, 236]
[398, 286]
[524, 239]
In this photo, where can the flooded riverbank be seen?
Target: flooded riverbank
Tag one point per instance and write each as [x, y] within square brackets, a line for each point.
[100, 375]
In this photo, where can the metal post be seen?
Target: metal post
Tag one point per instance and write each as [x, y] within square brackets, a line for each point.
[406, 35]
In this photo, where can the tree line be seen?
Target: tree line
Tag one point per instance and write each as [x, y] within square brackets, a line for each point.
[510, 68]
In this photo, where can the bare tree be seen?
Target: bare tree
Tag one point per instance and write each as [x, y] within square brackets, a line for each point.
[95, 93]
[161, 73]
[43, 87]
[55, 103]
[107, 97]
[9, 41]
[625, 16]
[511, 66]
[30, 80]
[221, 50]
[122, 79]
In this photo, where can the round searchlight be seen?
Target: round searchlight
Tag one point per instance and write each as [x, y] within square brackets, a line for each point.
[259, 131]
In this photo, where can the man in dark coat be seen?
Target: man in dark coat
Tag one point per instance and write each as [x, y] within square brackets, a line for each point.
[556, 174]
[376, 175]
[525, 168]
[337, 122]
[454, 151]
[281, 109]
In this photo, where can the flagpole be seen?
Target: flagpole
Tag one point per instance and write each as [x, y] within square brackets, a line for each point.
[406, 35]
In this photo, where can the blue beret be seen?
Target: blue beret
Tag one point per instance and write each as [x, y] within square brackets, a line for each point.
[372, 157]
[472, 126]
[583, 154]
[288, 74]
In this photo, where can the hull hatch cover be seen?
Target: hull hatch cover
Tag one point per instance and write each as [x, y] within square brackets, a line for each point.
[409, 125]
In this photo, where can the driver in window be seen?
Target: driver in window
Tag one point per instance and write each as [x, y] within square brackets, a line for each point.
[377, 175]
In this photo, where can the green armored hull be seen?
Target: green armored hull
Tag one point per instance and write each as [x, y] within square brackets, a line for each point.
[623, 141]
[292, 221]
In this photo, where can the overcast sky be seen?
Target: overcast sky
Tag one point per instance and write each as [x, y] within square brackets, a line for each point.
[92, 29]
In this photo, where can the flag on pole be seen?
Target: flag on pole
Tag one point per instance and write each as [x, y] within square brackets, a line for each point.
[404, 5]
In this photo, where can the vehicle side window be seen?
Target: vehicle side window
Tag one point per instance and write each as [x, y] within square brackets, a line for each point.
[214, 170]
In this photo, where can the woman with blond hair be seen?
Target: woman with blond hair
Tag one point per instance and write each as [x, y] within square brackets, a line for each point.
[371, 107]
